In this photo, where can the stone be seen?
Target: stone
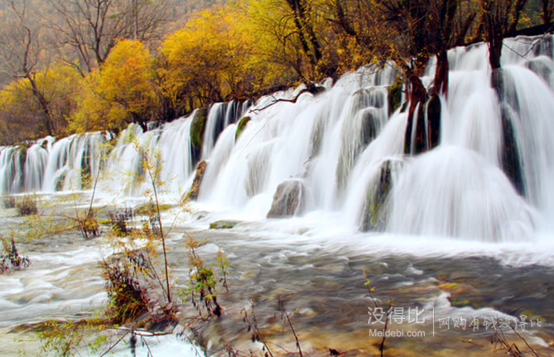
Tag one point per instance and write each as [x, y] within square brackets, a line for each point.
[223, 224]
[288, 199]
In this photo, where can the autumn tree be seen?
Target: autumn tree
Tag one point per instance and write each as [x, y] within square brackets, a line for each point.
[120, 92]
[217, 56]
[21, 113]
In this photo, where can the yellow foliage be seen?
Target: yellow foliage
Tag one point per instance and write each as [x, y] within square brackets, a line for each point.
[20, 112]
[120, 92]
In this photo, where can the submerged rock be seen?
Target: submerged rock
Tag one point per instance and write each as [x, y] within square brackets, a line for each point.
[195, 189]
[288, 199]
[223, 224]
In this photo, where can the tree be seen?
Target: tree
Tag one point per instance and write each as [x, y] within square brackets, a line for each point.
[499, 18]
[21, 47]
[219, 55]
[120, 92]
[91, 28]
[547, 6]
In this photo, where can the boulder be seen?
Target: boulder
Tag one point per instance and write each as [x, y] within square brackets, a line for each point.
[288, 199]
[223, 224]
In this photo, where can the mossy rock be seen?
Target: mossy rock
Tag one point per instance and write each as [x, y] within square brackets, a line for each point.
[197, 128]
[223, 224]
[374, 216]
[395, 95]
[241, 125]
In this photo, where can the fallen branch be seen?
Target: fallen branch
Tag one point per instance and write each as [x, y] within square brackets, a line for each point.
[310, 89]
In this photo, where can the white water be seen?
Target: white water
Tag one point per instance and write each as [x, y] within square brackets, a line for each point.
[335, 144]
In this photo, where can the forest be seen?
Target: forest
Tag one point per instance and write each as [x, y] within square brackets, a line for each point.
[73, 66]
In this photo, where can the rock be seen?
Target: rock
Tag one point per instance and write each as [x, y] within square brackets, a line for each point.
[541, 68]
[241, 125]
[395, 95]
[197, 128]
[434, 120]
[196, 184]
[375, 210]
[223, 224]
[504, 86]
[288, 199]
[511, 163]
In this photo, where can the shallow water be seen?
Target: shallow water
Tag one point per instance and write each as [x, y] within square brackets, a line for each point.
[317, 270]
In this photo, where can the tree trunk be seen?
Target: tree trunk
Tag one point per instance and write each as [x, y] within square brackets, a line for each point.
[417, 95]
[43, 102]
[440, 83]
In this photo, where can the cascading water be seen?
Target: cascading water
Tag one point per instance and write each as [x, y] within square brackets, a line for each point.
[345, 150]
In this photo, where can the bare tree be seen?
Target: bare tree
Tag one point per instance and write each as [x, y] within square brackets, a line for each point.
[90, 28]
[21, 49]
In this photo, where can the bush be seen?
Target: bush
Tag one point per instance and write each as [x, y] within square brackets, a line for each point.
[127, 298]
[8, 201]
[11, 257]
[27, 205]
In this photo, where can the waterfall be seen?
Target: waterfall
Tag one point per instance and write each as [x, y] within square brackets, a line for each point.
[489, 178]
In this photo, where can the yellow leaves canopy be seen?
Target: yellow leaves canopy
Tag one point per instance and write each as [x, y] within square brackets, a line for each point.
[120, 92]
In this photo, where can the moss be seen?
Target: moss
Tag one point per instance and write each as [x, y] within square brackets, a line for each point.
[374, 216]
[395, 95]
[241, 125]
[197, 128]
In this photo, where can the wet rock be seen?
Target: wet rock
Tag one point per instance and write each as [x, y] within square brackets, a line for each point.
[288, 199]
[375, 210]
[195, 189]
[197, 132]
[504, 86]
[434, 120]
[223, 224]
[395, 96]
[541, 68]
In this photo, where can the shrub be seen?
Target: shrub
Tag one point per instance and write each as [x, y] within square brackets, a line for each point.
[127, 299]
[27, 205]
[8, 201]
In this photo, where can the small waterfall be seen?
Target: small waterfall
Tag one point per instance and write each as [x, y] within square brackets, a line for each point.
[35, 164]
[11, 168]
[73, 162]
[220, 116]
